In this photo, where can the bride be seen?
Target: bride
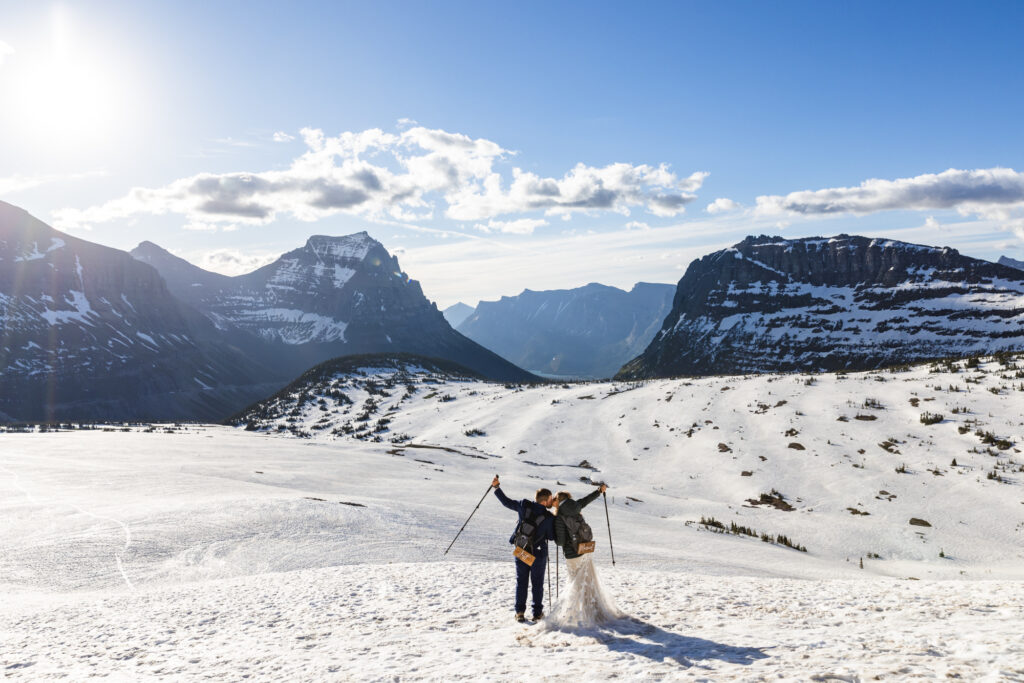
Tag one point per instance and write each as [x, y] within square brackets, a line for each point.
[585, 603]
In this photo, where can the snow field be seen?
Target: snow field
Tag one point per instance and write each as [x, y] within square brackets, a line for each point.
[448, 620]
[214, 552]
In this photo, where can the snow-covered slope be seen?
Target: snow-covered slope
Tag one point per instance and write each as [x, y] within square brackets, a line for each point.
[769, 304]
[848, 453]
[87, 332]
[218, 552]
[333, 296]
[586, 332]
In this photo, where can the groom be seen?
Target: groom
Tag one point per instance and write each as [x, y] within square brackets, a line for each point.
[535, 512]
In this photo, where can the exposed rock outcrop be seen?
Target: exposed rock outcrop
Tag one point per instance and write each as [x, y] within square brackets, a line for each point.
[769, 304]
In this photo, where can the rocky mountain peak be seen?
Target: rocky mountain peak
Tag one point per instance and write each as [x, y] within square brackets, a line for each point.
[333, 296]
[147, 247]
[354, 247]
[830, 261]
[1012, 263]
[90, 332]
[849, 302]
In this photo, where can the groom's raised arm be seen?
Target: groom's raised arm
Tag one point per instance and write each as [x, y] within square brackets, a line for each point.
[505, 500]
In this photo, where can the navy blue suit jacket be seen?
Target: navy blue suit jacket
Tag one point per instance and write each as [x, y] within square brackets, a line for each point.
[528, 508]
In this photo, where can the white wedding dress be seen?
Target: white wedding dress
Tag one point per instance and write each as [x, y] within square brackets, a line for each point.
[583, 602]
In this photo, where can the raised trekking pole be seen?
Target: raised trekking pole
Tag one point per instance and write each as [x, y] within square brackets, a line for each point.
[609, 522]
[469, 518]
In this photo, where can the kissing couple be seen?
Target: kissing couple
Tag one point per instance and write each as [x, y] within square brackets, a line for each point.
[557, 518]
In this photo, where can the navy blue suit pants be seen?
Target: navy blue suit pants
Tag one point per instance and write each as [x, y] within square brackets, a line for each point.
[525, 574]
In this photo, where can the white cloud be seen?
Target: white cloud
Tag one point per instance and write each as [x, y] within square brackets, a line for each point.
[411, 175]
[5, 51]
[20, 183]
[232, 261]
[637, 225]
[930, 222]
[722, 205]
[232, 142]
[281, 136]
[520, 226]
[990, 193]
[200, 226]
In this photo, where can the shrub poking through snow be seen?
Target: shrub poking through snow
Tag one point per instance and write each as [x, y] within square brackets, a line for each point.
[930, 418]
[773, 499]
[712, 524]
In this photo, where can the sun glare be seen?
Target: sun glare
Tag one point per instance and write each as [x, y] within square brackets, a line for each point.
[68, 95]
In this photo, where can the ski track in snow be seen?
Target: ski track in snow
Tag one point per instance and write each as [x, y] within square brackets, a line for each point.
[118, 556]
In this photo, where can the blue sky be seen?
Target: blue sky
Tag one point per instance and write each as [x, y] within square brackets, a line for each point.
[623, 123]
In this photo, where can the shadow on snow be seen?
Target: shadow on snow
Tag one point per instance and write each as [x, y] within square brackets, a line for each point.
[642, 639]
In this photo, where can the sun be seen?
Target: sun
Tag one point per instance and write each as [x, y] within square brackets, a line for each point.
[65, 96]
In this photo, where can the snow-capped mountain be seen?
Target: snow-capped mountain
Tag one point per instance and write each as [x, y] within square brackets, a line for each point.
[333, 296]
[90, 333]
[1013, 263]
[771, 304]
[456, 313]
[589, 331]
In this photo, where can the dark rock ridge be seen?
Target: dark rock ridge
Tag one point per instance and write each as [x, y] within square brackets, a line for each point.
[1013, 263]
[586, 332]
[770, 304]
[334, 296]
[89, 333]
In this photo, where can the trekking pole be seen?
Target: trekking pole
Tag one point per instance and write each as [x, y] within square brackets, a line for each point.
[557, 582]
[469, 518]
[549, 576]
[608, 521]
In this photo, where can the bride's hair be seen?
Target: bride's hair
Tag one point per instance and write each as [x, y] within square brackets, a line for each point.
[564, 496]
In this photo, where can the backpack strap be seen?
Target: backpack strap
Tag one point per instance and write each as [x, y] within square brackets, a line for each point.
[527, 529]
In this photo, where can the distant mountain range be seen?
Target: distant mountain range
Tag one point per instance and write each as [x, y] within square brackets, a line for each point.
[585, 332]
[90, 333]
[769, 304]
[456, 313]
[332, 297]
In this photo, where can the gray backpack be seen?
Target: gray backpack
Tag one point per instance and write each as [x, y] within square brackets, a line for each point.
[579, 530]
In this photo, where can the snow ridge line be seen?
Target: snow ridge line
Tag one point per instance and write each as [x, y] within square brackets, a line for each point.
[127, 532]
